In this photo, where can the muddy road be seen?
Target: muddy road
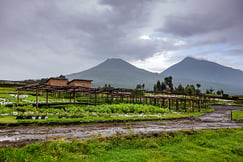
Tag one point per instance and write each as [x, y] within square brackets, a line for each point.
[17, 136]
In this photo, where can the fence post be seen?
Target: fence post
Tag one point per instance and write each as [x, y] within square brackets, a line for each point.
[37, 97]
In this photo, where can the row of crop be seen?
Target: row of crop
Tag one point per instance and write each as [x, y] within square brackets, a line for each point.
[126, 108]
[78, 111]
[105, 108]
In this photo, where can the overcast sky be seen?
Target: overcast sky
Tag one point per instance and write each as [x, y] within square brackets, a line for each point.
[44, 38]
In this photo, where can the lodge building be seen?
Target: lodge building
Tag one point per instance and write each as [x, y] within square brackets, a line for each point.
[81, 83]
[73, 83]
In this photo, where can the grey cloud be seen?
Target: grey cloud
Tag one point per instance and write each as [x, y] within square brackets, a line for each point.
[219, 17]
[50, 29]
[117, 36]
[74, 35]
[194, 24]
[234, 52]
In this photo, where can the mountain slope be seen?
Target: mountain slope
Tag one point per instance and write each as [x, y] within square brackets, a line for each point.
[202, 70]
[118, 73]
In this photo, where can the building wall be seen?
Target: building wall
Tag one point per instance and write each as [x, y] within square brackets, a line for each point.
[56, 82]
[82, 83]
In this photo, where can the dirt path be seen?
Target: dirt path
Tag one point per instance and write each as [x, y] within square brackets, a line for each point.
[220, 118]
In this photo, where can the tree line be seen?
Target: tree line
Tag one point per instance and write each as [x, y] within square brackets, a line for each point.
[167, 86]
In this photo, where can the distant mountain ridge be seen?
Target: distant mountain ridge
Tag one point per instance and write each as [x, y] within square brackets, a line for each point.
[119, 73]
[202, 70]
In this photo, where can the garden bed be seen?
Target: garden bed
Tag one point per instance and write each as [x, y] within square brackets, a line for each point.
[64, 123]
[80, 114]
[31, 117]
[72, 116]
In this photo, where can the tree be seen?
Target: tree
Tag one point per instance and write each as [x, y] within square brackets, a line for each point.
[62, 77]
[163, 86]
[138, 91]
[143, 86]
[198, 91]
[169, 83]
[209, 91]
[139, 86]
[108, 86]
[190, 90]
[180, 89]
[220, 92]
[198, 85]
[155, 88]
[158, 86]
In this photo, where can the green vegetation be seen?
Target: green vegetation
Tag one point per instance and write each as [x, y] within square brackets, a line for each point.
[96, 117]
[7, 90]
[237, 115]
[126, 108]
[8, 119]
[90, 113]
[106, 107]
[203, 145]
[189, 89]
[167, 84]
[238, 103]
[9, 95]
[139, 90]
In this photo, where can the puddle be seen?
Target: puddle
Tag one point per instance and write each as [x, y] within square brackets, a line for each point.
[6, 138]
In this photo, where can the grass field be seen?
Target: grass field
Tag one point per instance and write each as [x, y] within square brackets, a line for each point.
[237, 115]
[204, 145]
